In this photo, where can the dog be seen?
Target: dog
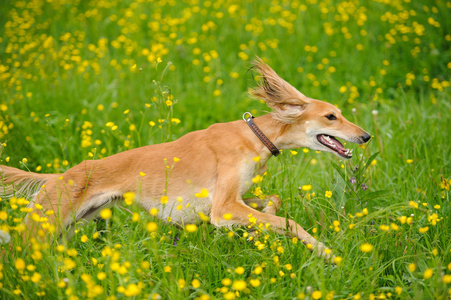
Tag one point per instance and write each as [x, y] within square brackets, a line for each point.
[211, 169]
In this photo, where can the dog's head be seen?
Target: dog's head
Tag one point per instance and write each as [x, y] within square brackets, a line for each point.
[309, 123]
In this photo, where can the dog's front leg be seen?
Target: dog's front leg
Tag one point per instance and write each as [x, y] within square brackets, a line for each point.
[270, 205]
[229, 209]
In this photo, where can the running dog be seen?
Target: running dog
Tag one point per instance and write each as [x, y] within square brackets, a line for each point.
[211, 169]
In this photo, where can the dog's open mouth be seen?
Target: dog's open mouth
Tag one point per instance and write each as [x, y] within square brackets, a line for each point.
[334, 144]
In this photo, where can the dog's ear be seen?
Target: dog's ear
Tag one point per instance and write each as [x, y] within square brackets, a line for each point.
[286, 102]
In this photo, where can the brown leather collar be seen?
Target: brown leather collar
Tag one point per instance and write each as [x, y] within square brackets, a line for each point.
[260, 134]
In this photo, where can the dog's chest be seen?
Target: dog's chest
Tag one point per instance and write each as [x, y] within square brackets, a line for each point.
[251, 173]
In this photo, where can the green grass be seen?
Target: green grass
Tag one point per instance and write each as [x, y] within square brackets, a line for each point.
[67, 68]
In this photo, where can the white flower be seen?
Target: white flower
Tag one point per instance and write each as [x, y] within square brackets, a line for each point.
[374, 112]
[4, 237]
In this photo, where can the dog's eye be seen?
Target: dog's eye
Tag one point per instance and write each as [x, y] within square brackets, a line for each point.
[331, 117]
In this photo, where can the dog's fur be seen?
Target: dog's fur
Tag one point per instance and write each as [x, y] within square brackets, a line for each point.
[219, 159]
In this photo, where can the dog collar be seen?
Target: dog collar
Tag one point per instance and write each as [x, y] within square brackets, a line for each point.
[247, 117]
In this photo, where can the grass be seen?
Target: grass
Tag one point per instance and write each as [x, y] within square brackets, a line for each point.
[87, 79]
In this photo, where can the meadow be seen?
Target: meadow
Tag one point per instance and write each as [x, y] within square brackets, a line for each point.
[86, 79]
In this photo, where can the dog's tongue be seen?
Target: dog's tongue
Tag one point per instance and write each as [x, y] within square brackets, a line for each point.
[332, 142]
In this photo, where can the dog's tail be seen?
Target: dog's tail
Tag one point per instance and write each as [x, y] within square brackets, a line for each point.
[18, 183]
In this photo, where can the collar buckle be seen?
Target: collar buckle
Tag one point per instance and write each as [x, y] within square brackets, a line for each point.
[247, 117]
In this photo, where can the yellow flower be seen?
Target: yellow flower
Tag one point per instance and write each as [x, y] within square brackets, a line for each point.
[84, 238]
[61, 284]
[202, 194]
[36, 277]
[446, 279]
[384, 227]
[229, 296]
[239, 285]
[132, 290]
[366, 247]
[258, 270]
[101, 276]
[191, 227]
[256, 158]
[398, 290]
[152, 226]
[128, 198]
[227, 216]
[153, 211]
[105, 213]
[226, 281]
[204, 217]
[412, 267]
[423, 229]
[306, 187]
[301, 296]
[257, 179]
[142, 174]
[167, 269]
[135, 217]
[413, 204]
[181, 282]
[409, 161]
[328, 194]
[164, 199]
[428, 273]
[195, 283]
[69, 264]
[393, 226]
[338, 260]
[19, 263]
[255, 282]
[168, 102]
[239, 270]
[293, 152]
[317, 295]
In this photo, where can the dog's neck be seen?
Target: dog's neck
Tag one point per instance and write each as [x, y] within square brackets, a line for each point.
[272, 129]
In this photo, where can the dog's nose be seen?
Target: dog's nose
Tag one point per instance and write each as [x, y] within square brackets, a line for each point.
[366, 137]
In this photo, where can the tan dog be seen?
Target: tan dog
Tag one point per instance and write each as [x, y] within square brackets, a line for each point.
[222, 159]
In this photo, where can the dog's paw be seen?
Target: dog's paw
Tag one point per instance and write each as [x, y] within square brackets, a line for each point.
[276, 201]
[326, 253]
[272, 205]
